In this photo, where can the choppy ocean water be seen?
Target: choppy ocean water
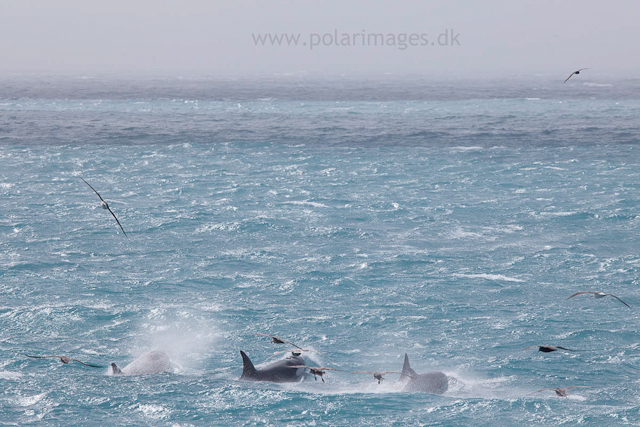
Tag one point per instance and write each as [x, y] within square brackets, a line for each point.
[362, 220]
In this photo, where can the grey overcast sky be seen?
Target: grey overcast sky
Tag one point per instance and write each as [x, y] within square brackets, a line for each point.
[170, 37]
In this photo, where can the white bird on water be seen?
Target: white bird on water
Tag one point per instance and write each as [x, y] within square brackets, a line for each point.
[106, 206]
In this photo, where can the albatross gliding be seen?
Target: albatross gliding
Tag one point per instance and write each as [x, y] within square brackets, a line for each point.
[598, 294]
[64, 359]
[106, 206]
[575, 72]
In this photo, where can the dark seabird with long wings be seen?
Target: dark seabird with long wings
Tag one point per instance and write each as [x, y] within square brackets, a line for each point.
[315, 370]
[548, 348]
[562, 392]
[575, 72]
[64, 359]
[294, 352]
[377, 375]
[598, 294]
[277, 340]
[106, 206]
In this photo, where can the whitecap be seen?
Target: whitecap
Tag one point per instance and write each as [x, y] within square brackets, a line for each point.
[30, 400]
[154, 411]
[597, 84]
[472, 148]
[497, 277]
[8, 375]
[305, 203]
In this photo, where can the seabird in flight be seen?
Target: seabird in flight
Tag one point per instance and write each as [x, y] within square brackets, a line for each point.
[294, 352]
[575, 72]
[376, 375]
[277, 340]
[562, 392]
[105, 206]
[315, 371]
[64, 359]
[599, 295]
[548, 348]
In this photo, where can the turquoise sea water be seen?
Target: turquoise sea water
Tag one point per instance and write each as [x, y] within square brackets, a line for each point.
[450, 227]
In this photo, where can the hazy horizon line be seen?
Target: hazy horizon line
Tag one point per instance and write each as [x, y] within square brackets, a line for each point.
[196, 75]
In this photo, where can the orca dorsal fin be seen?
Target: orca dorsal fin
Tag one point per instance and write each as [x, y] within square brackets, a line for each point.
[248, 370]
[115, 370]
[407, 372]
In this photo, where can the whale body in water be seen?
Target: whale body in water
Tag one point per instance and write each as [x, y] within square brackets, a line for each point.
[429, 382]
[154, 362]
[279, 371]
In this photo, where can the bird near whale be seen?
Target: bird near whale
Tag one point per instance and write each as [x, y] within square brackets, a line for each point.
[316, 371]
[277, 340]
[279, 371]
[562, 392]
[293, 351]
[377, 375]
[430, 382]
[106, 206]
[66, 360]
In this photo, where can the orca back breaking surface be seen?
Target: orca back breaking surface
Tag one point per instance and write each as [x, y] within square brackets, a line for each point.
[431, 382]
[154, 362]
[276, 372]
